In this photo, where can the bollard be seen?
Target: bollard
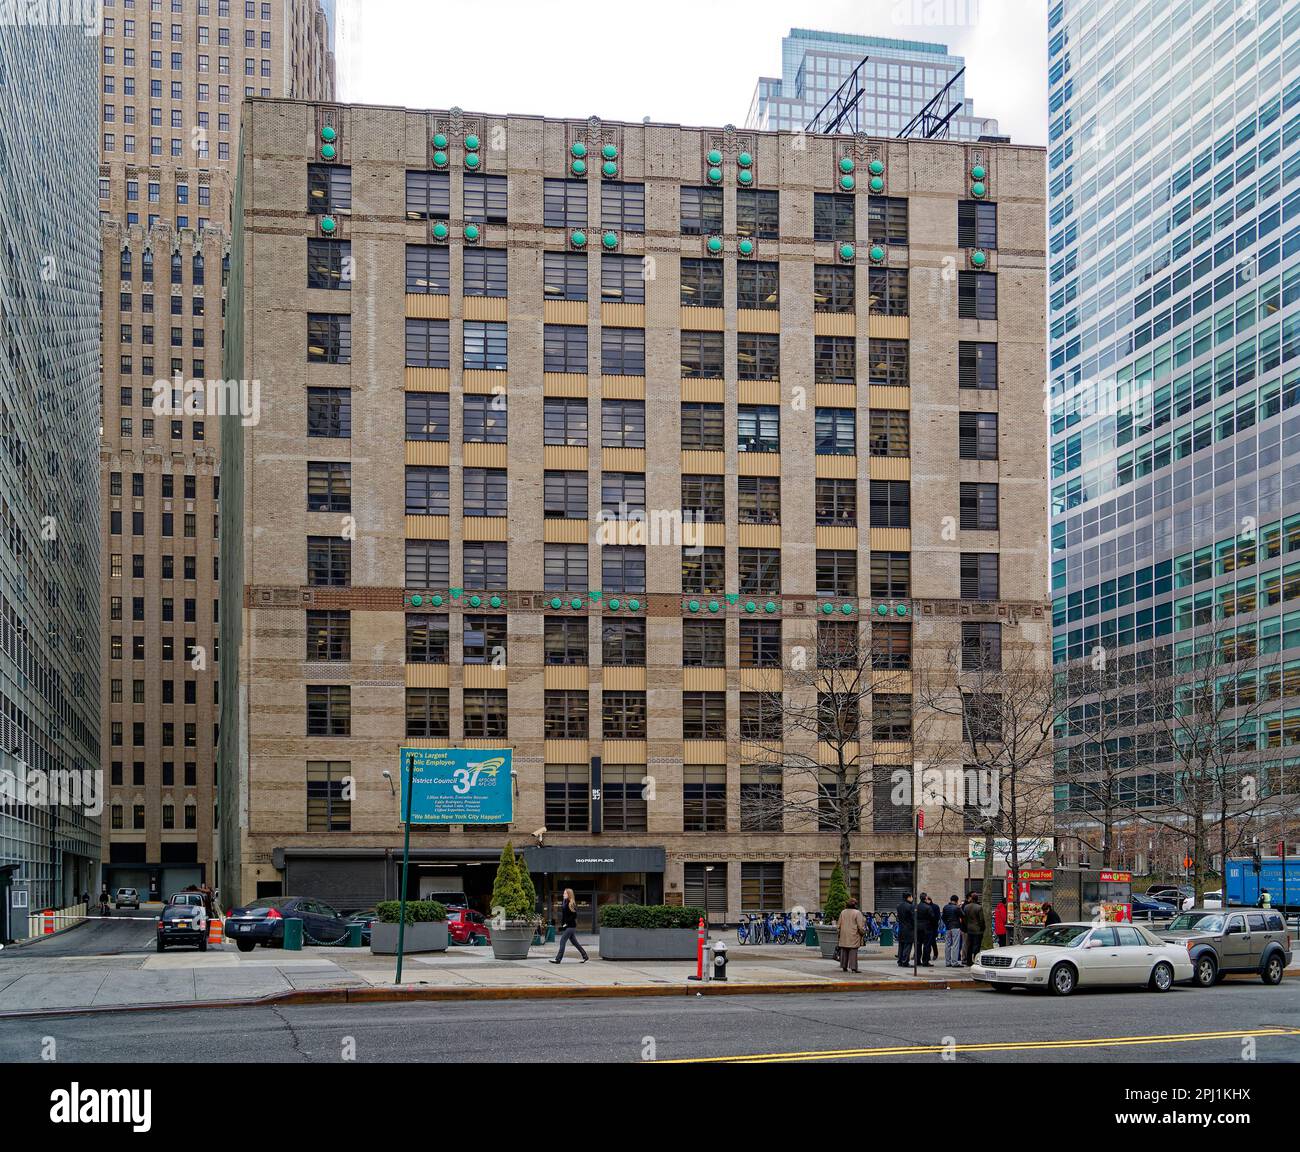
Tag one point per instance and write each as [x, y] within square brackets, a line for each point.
[550, 933]
[292, 935]
[700, 973]
[886, 937]
[810, 938]
[354, 935]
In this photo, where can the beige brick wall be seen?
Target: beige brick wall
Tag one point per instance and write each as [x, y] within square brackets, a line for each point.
[379, 145]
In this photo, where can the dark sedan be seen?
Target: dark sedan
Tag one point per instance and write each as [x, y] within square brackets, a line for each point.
[183, 924]
[365, 919]
[262, 922]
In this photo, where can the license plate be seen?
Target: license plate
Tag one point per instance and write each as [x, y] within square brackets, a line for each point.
[245, 927]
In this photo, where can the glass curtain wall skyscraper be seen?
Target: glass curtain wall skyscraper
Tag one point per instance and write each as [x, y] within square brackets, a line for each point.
[1174, 282]
[49, 461]
[900, 76]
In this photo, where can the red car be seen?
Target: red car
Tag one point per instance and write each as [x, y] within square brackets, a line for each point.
[467, 927]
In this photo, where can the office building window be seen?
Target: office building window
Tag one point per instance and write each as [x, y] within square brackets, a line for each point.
[977, 364]
[833, 217]
[564, 275]
[329, 486]
[329, 710]
[887, 220]
[329, 412]
[977, 435]
[758, 285]
[428, 713]
[701, 283]
[622, 206]
[890, 504]
[758, 356]
[888, 288]
[758, 213]
[329, 264]
[979, 576]
[834, 288]
[564, 203]
[889, 363]
[704, 798]
[890, 432]
[428, 269]
[977, 224]
[701, 211]
[835, 502]
[485, 272]
[485, 199]
[564, 419]
[977, 296]
[329, 338]
[428, 344]
[428, 416]
[979, 507]
[564, 348]
[622, 278]
[891, 575]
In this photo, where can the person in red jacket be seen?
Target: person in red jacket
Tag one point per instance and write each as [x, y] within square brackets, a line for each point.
[1000, 923]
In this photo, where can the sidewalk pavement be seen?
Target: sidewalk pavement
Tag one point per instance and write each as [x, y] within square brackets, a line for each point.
[33, 984]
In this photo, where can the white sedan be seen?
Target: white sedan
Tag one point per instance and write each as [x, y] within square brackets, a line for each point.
[1066, 956]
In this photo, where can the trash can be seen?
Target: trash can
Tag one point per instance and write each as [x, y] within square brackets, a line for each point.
[550, 933]
[886, 937]
[810, 937]
[293, 935]
[354, 935]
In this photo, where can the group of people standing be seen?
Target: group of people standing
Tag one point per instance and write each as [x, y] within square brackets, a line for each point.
[918, 927]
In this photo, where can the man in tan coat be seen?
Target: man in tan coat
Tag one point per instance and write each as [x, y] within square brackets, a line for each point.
[853, 932]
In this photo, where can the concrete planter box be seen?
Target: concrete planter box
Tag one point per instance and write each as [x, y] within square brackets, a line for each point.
[649, 943]
[511, 941]
[424, 936]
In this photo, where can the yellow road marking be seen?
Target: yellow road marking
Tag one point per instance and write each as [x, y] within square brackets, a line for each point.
[1007, 1046]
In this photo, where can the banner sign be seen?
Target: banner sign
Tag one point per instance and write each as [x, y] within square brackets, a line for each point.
[1029, 849]
[458, 785]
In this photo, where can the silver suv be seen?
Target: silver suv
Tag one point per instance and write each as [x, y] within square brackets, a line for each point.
[1253, 940]
[127, 898]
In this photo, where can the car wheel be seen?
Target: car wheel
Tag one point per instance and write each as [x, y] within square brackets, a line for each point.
[1207, 972]
[244, 945]
[1272, 971]
[1063, 980]
[1162, 977]
[161, 946]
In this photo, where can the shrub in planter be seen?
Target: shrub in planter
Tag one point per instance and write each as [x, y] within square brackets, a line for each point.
[650, 916]
[649, 932]
[417, 911]
[425, 931]
[837, 896]
[512, 910]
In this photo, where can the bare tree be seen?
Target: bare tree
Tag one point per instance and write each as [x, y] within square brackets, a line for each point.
[1103, 733]
[1209, 702]
[841, 696]
[1001, 705]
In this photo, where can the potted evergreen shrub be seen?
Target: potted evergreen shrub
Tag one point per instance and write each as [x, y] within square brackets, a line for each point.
[837, 897]
[649, 932]
[530, 894]
[426, 927]
[512, 910]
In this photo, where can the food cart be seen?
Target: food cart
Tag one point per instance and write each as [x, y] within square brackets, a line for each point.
[1035, 890]
[1093, 894]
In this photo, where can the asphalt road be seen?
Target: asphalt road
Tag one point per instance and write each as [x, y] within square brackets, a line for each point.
[116, 936]
[1185, 1025]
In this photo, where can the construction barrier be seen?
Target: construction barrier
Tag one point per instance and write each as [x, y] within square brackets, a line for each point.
[216, 931]
[51, 920]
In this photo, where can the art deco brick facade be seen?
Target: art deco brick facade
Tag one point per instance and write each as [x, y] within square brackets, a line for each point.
[173, 76]
[369, 576]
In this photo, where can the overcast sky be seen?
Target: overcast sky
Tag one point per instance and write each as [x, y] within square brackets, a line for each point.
[678, 61]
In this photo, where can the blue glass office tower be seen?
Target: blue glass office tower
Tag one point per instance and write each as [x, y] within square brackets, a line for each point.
[49, 453]
[1174, 250]
[900, 76]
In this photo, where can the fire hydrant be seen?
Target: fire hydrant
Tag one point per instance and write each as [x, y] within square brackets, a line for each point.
[719, 960]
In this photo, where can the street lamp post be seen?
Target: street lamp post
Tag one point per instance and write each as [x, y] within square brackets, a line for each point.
[406, 863]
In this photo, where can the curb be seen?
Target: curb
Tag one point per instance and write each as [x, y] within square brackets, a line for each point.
[559, 992]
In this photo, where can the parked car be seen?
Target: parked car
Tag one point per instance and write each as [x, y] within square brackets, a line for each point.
[193, 899]
[262, 922]
[126, 898]
[465, 926]
[1170, 893]
[183, 923]
[1067, 956]
[1220, 942]
[1152, 909]
[365, 918]
[449, 899]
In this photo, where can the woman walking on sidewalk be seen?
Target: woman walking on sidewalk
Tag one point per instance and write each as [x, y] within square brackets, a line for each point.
[569, 927]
